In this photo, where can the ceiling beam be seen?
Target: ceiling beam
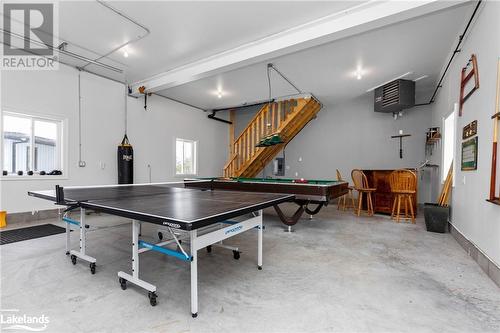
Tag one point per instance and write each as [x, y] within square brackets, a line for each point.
[357, 19]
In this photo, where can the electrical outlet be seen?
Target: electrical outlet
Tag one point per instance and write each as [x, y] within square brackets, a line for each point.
[287, 167]
[463, 180]
[300, 159]
[296, 174]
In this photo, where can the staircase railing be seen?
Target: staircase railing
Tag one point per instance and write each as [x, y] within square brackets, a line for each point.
[271, 118]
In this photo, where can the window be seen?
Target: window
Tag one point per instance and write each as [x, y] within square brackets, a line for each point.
[31, 144]
[185, 157]
[448, 143]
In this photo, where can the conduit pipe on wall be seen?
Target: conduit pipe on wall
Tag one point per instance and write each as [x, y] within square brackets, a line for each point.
[62, 51]
[457, 50]
[128, 18]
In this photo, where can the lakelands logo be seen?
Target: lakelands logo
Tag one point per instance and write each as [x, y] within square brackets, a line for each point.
[11, 319]
[29, 31]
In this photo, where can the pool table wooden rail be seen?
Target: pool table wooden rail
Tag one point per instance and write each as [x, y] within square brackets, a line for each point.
[318, 193]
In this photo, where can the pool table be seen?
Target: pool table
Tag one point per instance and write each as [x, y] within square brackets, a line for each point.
[307, 192]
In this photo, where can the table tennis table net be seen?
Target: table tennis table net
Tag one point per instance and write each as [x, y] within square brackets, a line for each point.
[121, 192]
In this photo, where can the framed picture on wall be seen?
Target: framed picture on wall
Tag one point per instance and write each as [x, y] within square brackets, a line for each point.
[469, 154]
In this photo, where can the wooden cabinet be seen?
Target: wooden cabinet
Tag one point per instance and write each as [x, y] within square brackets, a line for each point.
[383, 198]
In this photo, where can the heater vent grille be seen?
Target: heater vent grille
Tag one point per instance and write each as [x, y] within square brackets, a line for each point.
[395, 96]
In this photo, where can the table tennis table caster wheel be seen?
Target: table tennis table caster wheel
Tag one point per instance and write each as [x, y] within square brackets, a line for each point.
[73, 259]
[259, 268]
[123, 283]
[209, 249]
[152, 298]
[92, 267]
[236, 255]
[160, 235]
[194, 315]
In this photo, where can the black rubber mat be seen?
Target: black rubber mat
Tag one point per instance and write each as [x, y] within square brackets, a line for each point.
[22, 234]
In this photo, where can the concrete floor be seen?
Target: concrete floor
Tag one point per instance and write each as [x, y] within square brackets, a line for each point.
[335, 273]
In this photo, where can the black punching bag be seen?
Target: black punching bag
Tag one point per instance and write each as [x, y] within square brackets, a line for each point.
[125, 162]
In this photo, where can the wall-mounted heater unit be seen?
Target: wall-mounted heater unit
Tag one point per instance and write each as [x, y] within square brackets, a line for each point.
[395, 96]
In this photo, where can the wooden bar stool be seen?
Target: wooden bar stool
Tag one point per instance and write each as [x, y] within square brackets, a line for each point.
[361, 185]
[346, 198]
[404, 187]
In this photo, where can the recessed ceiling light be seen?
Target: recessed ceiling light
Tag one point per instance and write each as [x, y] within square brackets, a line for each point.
[359, 73]
[125, 54]
[219, 93]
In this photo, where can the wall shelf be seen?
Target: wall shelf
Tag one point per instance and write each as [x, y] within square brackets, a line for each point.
[432, 137]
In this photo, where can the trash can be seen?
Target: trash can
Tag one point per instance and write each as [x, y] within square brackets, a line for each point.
[436, 217]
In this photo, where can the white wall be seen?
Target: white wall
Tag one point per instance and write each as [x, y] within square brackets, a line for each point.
[351, 135]
[477, 219]
[151, 132]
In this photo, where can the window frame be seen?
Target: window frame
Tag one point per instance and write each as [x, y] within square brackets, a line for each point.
[195, 156]
[62, 139]
[444, 169]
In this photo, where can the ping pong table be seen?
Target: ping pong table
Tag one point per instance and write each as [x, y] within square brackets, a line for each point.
[198, 217]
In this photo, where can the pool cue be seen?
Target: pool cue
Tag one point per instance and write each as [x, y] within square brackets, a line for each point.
[496, 118]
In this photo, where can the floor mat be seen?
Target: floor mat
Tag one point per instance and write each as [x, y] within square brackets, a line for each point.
[17, 235]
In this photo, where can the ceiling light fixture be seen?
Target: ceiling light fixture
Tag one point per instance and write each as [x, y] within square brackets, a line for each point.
[359, 73]
[382, 84]
[125, 54]
[421, 78]
[219, 94]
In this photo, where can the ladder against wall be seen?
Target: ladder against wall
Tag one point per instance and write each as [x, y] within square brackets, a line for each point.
[286, 118]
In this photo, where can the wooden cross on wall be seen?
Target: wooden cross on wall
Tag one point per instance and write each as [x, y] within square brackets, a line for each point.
[400, 136]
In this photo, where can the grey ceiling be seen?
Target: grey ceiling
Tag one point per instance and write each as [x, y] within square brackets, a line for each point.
[419, 45]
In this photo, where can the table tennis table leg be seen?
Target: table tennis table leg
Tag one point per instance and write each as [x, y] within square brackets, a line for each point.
[68, 238]
[259, 242]
[194, 273]
[83, 234]
[136, 231]
[123, 277]
[83, 244]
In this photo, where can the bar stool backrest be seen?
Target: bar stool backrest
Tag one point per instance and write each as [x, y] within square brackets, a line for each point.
[339, 176]
[359, 179]
[403, 180]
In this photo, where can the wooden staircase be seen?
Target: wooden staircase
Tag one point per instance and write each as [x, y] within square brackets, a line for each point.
[286, 118]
